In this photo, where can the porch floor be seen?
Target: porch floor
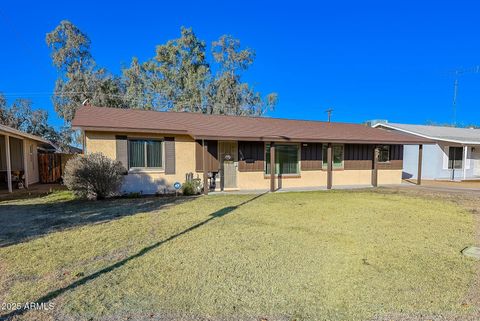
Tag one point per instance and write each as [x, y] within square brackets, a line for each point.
[33, 190]
[291, 189]
[468, 184]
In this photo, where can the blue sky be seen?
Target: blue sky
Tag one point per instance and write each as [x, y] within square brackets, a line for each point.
[365, 59]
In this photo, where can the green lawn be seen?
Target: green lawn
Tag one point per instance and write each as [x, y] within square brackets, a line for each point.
[307, 256]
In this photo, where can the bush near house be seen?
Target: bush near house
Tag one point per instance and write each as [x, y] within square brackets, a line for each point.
[191, 187]
[93, 176]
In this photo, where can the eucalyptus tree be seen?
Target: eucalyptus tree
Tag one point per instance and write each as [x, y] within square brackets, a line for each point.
[79, 78]
[227, 94]
[175, 79]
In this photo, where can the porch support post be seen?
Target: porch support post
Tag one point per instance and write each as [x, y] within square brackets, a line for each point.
[272, 166]
[420, 158]
[204, 162]
[376, 153]
[465, 148]
[25, 163]
[9, 163]
[329, 166]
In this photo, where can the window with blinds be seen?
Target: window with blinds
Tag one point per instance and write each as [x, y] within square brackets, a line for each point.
[286, 159]
[145, 153]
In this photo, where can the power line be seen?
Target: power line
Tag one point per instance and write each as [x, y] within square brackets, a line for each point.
[160, 103]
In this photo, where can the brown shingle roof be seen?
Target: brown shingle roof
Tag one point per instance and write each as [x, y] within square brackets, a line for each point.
[201, 126]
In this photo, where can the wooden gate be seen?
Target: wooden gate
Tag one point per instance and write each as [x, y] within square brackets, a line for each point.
[50, 168]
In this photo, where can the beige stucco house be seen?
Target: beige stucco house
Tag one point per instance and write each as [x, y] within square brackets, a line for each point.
[19, 157]
[240, 153]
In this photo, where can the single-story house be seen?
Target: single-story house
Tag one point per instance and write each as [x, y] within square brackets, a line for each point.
[240, 153]
[19, 157]
[454, 156]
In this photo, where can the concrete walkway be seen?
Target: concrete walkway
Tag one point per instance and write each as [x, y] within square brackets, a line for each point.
[292, 189]
[433, 186]
[441, 186]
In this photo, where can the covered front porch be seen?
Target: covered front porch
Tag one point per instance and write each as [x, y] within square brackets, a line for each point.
[13, 163]
[19, 158]
[284, 165]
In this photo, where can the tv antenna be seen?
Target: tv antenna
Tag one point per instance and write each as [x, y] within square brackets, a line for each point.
[457, 73]
[329, 112]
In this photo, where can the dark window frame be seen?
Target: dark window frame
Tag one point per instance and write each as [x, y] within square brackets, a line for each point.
[145, 149]
[267, 159]
[382, 151]
[324, 156]
[457, 161]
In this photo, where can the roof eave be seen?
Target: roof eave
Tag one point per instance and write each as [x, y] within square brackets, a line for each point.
[313, 140]
[432, 138]
[132, 130]
[22, 135]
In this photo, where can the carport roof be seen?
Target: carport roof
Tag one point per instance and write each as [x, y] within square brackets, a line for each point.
[465, 136]
[18, 133]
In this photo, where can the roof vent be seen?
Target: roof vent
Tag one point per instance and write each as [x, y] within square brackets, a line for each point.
[373, 122]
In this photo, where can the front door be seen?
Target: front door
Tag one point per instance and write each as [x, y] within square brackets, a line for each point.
[228, 162]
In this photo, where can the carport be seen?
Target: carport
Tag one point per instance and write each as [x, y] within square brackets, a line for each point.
[19, 158]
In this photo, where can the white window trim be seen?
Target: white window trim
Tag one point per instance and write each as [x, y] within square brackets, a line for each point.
[446, 151]
[446, 159]
[468, 157]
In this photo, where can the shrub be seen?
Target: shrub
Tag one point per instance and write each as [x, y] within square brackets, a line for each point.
[93, 176]
[191, 187]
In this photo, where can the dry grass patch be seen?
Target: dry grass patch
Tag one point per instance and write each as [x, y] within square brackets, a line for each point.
[308, 256]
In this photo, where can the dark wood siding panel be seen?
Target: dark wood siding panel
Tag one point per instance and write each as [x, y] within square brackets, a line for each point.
[169, 155]
[198, 156]
[393, 164]
[121, 150]
[211, 157]
[358, 152]
[396, 158]
[251, 156]
[396, 152]
[357, 164]
[358, 157]
[311, 156]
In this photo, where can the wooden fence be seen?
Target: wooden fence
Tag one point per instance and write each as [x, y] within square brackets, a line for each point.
[51, 167]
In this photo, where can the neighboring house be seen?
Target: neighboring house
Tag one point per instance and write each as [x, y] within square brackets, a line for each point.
[161, 148]
[19, 157]
[455, 156]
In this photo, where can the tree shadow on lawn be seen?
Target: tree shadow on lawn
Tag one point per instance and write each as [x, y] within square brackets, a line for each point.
[54, 294]
[21, 222]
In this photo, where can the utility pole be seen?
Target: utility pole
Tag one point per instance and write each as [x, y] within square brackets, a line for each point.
[329, 112]
[454, 102]
[457, 73]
